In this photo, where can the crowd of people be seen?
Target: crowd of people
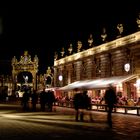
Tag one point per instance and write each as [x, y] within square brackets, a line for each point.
[46, 100]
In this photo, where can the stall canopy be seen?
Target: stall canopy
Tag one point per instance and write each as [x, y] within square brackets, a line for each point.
[98, 83]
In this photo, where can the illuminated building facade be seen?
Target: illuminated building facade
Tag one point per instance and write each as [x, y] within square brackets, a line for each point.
[29, 67]
[25, 73]
[117, 58]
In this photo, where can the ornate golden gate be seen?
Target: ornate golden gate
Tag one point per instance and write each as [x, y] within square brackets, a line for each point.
[25, 64]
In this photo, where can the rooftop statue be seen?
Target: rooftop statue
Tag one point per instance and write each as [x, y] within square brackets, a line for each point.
[14, 60]
[90, 40]
[26, 58]
[62, 52]
[55, 56]
[138, 21]
[79, 46]
[104, 35]
[70, 49]
[36, 59]
[120, 29]
[49, 72]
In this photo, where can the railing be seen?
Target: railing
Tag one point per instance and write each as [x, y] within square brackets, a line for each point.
[133, 110]
[118, 108]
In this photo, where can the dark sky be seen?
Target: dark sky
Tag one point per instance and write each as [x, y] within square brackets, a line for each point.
[42, 28]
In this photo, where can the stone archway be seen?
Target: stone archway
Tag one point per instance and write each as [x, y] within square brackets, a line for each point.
[25, 64]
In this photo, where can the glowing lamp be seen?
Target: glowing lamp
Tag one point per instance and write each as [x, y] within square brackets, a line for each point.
[60, 77]
[127, 67]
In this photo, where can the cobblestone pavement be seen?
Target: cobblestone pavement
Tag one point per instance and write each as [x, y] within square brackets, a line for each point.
[16, 124]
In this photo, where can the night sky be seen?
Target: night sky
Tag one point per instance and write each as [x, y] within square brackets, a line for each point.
[42, 28]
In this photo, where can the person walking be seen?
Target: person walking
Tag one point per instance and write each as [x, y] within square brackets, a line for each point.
[110, 99]
[85, 106]
[77, 103]
[82, 103]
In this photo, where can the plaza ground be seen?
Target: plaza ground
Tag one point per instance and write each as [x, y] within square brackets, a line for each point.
[17, 124]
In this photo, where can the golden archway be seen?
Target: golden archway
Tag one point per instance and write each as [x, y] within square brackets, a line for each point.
[25, 64]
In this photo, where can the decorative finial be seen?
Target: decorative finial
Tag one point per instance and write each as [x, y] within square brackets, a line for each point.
[138, 21]
[14, 60]
[70, 49]
[104, 35]
[62, 52]
[36, 59]
[55, 56]
[49, 71]
[90, 40]
[79, 46]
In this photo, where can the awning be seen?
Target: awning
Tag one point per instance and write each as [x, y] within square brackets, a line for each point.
[98, 83]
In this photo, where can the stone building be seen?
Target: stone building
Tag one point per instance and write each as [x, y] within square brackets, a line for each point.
[116, 62]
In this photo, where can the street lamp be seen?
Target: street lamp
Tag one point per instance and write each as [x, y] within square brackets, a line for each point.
[60, 77]
[127, 67]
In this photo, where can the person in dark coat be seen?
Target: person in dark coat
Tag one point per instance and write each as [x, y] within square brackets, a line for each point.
[25, 100]
[43, 99]
[34, 97]
[50, 100]
[77, 104]
[82, 103]
[110, 99]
